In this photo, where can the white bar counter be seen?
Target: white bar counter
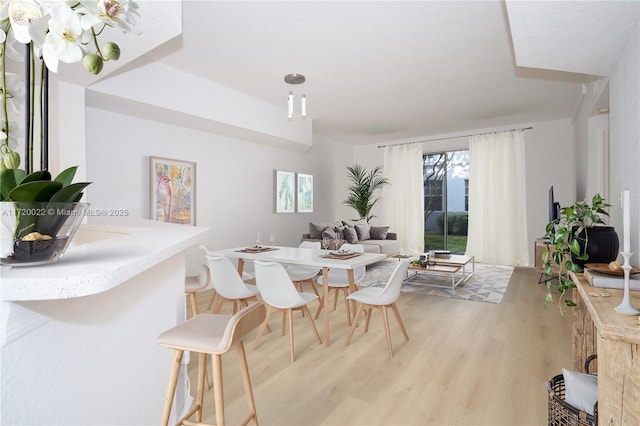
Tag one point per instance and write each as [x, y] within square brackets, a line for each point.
[79, 335]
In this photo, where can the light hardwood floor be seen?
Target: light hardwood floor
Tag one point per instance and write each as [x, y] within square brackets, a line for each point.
[467, 363]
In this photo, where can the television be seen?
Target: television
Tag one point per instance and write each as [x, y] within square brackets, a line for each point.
[554, 207]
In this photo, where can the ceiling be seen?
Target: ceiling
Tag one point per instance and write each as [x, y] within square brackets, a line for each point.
[380, 71]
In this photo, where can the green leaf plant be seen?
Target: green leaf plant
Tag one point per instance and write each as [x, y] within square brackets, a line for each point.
[568, 241]
[361, 191]
[38, 187]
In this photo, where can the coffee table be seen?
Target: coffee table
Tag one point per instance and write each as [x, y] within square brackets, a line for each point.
[454, 265]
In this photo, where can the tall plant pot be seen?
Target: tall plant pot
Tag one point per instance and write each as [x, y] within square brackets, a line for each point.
[602, 244]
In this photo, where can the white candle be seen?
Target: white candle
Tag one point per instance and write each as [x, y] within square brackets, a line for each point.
[626, 221]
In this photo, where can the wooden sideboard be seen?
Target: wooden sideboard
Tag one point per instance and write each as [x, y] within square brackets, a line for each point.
[598, 328]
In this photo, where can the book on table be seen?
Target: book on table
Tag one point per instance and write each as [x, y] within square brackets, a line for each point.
[442, 254]
[598, 279]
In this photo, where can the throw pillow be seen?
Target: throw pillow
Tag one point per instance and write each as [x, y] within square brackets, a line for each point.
[350, 235]
[329, 233]
[339, 231]
[351, 224]
[363, 232]
[315, 230]
[379, 232]
[581, 390]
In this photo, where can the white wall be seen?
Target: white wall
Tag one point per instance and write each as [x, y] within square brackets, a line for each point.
[597, 179]
[234, 178]
[624, 92]
[549, 161]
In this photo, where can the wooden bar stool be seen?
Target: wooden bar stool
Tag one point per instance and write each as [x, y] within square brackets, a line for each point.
[215, 335]
[195, 283]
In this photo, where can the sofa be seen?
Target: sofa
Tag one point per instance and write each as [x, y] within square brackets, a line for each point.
[374, 239]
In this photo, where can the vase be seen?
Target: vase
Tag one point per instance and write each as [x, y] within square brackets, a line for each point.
[602, 245]
[36, 233]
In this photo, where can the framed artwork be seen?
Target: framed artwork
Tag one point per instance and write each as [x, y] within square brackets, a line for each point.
[305, 193]
[285, 191]
[172, 186]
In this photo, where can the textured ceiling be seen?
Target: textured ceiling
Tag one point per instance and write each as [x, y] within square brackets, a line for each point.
[377, 71]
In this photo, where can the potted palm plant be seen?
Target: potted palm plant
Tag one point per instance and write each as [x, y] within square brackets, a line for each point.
[361, 192]
[578, 235]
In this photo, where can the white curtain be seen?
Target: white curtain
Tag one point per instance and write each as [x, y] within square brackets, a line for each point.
[497, 199]
[403, 204]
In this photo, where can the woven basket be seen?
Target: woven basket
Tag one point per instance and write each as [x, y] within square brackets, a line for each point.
[563, 414]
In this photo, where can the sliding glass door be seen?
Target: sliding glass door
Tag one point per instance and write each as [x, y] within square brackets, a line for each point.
[446, 200]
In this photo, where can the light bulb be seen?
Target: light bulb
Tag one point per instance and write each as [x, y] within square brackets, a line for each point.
[290, 104]
[303, 104]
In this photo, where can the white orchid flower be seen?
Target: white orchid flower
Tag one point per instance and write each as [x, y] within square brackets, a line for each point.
[38, 32]
[64, 39]
[21, 14]
[114, 13]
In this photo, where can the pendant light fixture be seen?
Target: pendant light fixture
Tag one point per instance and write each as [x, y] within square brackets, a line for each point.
[295, 79]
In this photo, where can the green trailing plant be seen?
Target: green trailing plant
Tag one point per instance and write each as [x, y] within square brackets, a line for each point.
[569, 240]
[361, 192]
[39, 187]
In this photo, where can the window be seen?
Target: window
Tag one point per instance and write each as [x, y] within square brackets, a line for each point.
[446, 200]
[466, 195]
[433, 195]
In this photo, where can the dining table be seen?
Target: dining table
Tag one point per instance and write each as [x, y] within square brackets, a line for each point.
[317, 258]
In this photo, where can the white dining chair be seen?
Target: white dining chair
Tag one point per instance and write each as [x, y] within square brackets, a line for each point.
[246, 277]
[339, 281]
[280, 294]
[228, 285]
[304, 274]
[381, 298]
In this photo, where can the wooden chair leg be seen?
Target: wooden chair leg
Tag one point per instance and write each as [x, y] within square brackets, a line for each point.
[320, 306]
[171, 388]
[313, 324]
[246, 380]
[290, 320]
[262, 327]
[368, 321]
[202, 371]
[313, 286]
[346, 304]
[194, 303]
[217, 306]
[218, 392]
[394, 307]
[211, 300]
[387, 331]
[354, 324]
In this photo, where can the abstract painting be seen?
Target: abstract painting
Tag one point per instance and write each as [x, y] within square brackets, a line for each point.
[172, 190]
[305, 193]
[285, 192]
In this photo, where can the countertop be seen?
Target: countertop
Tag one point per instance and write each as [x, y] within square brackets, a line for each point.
[99, 258]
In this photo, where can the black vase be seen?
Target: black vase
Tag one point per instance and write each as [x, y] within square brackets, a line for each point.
[602, 245]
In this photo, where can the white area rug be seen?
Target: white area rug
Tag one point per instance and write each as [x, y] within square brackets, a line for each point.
[488, 284]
